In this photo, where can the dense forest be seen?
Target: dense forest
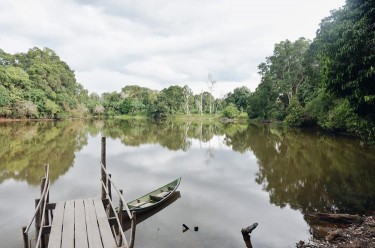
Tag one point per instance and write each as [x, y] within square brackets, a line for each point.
[328, 82]
[37, 84]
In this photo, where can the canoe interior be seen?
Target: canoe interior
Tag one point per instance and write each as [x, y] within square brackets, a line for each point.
[154, 197]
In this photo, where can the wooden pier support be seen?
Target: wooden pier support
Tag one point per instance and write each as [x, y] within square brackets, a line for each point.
[103, 161]
[109, 188]
[25, 237]
[120, 207]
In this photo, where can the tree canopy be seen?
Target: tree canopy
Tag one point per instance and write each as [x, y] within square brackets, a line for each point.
[37, 84]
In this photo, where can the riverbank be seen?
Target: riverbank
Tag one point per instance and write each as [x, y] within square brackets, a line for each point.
[190, 118]
[13, 120]
[349, 231]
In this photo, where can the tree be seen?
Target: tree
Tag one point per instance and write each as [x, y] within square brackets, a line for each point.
[99, 109]
[347, 49]
[211, 83]
[5, 102]
[25, 109]
[39, 78]
[187, 95]
[231, 111]
[239, 97]
[51, 108]
[285, 66]
[172, 98]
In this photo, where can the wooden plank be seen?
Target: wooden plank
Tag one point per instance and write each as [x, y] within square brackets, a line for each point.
[68, 226]
[56, 230]
[105, 231]
[93, 234]
[80, 232]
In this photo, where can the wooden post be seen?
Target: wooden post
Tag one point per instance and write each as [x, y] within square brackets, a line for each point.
[103, 161]
[133, 225]
[25, 238]
[37, 219]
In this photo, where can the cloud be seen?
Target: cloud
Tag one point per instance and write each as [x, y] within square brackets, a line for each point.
[160, 43]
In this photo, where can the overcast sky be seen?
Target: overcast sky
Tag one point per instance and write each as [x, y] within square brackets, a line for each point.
[158, 43]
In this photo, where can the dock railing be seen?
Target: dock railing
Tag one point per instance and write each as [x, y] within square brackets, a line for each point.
[113, 215]
[41, 214]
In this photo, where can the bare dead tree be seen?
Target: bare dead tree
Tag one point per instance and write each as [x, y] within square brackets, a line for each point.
[187, 93]
[211, 83]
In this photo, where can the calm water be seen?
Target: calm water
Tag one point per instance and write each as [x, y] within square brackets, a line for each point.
[232, 176]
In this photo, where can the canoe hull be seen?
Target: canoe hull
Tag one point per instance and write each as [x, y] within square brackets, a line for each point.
[154, 198]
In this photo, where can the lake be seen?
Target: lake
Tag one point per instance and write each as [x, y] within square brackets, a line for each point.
[232, 176]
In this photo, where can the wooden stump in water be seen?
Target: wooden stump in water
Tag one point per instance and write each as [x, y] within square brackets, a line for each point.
[249, 229]
[246, 234]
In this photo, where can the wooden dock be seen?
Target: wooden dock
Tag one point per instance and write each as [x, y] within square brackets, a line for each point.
[81, 223]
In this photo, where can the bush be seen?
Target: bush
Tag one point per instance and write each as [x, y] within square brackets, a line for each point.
[296, 113]
[230, 111]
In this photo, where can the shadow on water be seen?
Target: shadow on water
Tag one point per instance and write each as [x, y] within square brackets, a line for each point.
[147, 214]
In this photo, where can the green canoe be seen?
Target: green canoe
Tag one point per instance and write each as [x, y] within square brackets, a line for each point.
[154, 198]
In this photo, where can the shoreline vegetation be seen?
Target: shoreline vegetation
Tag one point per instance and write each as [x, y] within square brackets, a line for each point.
[303, 83]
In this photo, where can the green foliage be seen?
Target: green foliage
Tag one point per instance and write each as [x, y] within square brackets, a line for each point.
[39, 85]
[230, 111]
[239, 97]
[347, 48]
[296, 113]
[341, 117]
[329, 82]
[159, 110]
[4, 97]
[51, 108]
[263, 103]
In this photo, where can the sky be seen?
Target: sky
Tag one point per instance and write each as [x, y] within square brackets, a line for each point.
[158, 43]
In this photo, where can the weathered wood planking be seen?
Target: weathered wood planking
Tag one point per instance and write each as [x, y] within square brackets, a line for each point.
[93, 233]
[57, 223]
[80, 232]
[68, 226]
[81, 224]
[105, 230]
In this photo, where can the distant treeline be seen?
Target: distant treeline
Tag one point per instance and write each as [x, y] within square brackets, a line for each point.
[328, 82]
[37, 84]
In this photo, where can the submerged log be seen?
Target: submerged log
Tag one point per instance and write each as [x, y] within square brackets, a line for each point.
[336, 218]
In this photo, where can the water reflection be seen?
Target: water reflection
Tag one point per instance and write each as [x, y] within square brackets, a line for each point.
[25, 146]
[237, 167]
[312, 172]
[308, 171]
[147, 214]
